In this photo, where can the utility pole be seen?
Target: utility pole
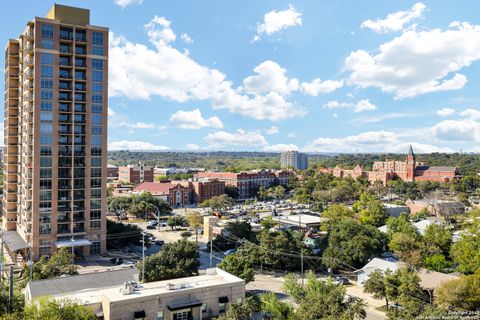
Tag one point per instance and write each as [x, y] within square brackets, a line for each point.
[1, 261]
[211, 250]
[301, 270]
[30, 261]
[301, 250]
[10, 291]
[143, 257]
[158, 220]
[73, 251]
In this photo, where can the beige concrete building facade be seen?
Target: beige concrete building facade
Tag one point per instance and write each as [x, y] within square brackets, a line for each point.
[55, 161]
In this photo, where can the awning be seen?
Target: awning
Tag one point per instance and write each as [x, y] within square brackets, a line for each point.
[14, 241]
[223, 300]
[74, 243]
[191, 303]
[139, 314]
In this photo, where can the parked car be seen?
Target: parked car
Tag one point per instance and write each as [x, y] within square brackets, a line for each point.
[159, 242]
[341, 280]
[152, 224]
[116, 261]
[229, 252]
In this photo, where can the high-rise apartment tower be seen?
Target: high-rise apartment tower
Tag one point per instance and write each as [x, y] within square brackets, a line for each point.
[294, 160]
[55, 159]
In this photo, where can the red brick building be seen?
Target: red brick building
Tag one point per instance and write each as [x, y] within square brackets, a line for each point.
[249, 182]
[112, 172]
[135, 173]
[407, 170]
[174, 194]
[202, 189]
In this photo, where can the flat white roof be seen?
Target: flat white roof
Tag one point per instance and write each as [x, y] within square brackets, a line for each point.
[304, 219]
[214, 277]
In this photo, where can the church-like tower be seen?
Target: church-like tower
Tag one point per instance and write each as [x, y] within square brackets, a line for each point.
[410, 165]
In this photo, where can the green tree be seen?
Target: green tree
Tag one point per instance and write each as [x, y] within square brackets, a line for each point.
[462, 294]
[238, 265]
[319, 299]
[231, 191]
[233, 232]
[370, 210]
[376, 285]
[351, 244]
[337, 212]
[437, 238]
[409, 294]
[195, 221]
[60, 263]
[241, 311]
[119, 204]
[407, 248]
[274, 308]
[466, 251]
[401, 225]
[120, 235]
[268, 223]
[174, 260]
[218, 203]
[436, 262]
[175, 221]
[58, 310]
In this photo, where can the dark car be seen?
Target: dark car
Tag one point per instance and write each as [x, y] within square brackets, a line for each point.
[341, 280]
[151, 226]
[159, 242]
[116, 261]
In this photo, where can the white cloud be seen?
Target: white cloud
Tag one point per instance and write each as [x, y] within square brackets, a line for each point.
[140, 125]
[125, 3]
[318, 86]
[465, 130]
[134, 145]
[193, 120]
[238, 138]
[360, 106]
[418, 62]
[364, 105]
[395, 21]
[192, 147]
[159, 32]
[272, 130]
[382, 117]
[444, 112]
[270, 77]
[370, 141]
[473, 114]
[116, 120]
[275, 21]
[186, 38]
[111, 112]
[138, 72]
[292, 135]
[280, 148]
[417, 147]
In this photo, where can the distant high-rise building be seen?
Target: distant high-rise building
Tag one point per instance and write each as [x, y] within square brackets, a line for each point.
[55, 159]
[294, 159]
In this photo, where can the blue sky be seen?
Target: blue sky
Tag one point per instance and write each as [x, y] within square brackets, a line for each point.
[318, 76]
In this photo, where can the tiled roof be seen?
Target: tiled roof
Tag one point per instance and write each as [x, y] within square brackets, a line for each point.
[437, 168]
